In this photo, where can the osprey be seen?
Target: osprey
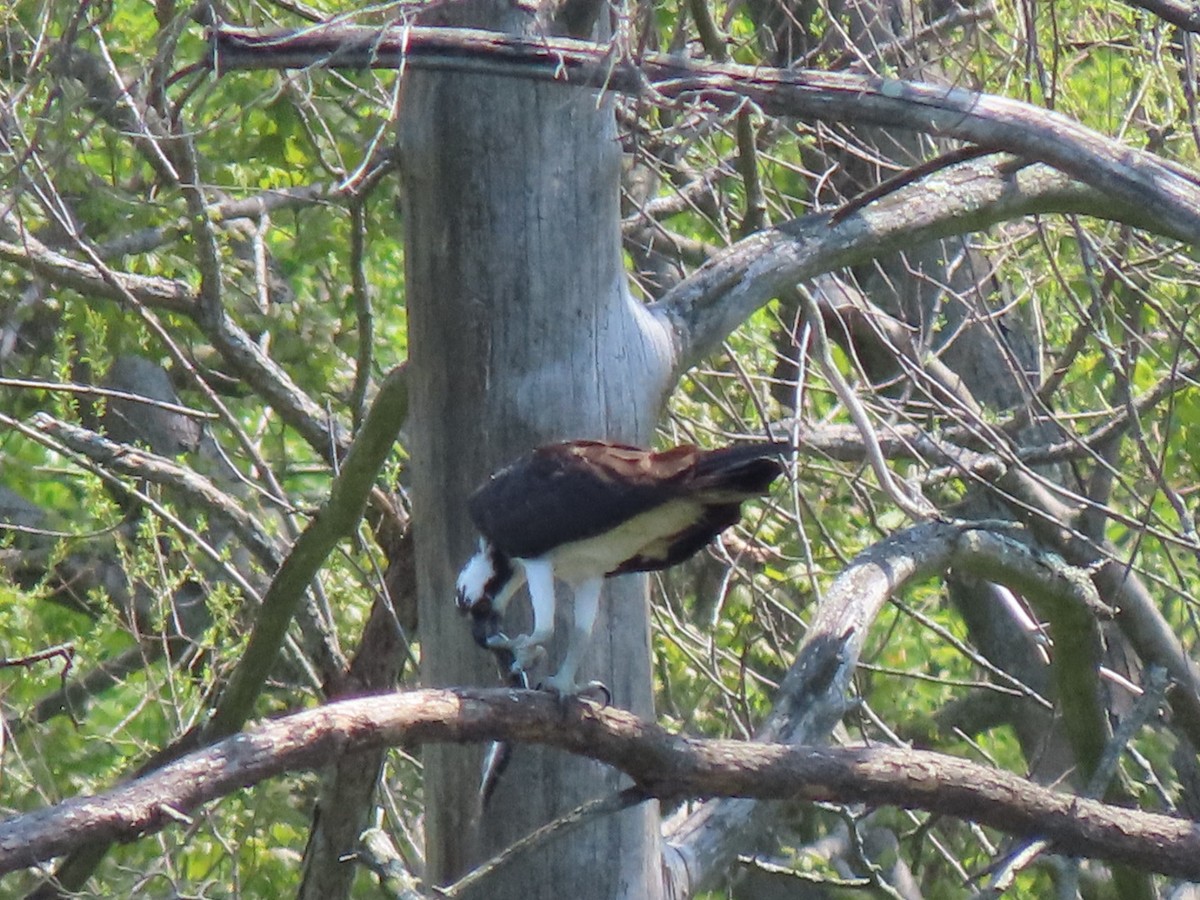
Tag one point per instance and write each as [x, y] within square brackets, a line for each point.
[581, 511]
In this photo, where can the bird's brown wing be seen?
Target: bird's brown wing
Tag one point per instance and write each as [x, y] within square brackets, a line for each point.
[580, 489]
[740, 471]
[571, 491]
[720, 480]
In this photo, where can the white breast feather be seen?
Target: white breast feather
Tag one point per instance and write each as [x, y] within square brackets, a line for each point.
[592, 557]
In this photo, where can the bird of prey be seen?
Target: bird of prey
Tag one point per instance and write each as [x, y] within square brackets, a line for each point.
[581, 511]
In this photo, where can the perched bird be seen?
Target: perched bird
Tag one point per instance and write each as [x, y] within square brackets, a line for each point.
[581, 511]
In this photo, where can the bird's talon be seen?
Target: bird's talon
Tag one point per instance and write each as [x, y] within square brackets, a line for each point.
[596, 691]
[526, 653]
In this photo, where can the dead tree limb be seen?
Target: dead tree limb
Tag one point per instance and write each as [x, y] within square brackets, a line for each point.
[661, 764]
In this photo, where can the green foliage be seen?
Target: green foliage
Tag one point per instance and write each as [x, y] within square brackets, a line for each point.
[106, 554]
[99, 167]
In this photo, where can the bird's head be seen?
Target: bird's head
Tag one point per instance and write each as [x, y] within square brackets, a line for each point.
[481, 579]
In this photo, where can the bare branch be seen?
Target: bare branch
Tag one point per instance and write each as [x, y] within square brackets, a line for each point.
[705, 309]
[1182, 15]
[138, 463]
[336, 518]
[1121, 172]
[661, 764]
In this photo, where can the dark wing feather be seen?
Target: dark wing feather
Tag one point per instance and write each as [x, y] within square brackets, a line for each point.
[746, 470]
[570, 491]
[579, 489]
[721, 480]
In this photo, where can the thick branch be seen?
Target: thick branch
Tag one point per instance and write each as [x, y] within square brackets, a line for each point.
[1182, 15]
[64, 271]
[710, 304]
[1124, 173]
[661, 764]
[812, 697]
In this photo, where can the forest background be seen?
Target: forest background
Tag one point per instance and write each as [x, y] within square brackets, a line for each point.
[249, 290]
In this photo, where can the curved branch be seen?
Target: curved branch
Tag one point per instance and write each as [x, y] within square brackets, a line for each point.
[1138, 615]
[1181, 15]
[704, 309]
[661, 764]
[812, 697]
[1122, 173]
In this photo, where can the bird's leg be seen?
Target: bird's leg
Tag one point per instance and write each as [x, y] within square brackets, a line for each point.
[501, 600]
[527, 649]
[587, 604]
[486, 625]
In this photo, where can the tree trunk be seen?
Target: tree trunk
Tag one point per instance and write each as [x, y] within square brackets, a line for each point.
[522, 330]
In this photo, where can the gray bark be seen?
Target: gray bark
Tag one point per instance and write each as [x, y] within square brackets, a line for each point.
[522, 330]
